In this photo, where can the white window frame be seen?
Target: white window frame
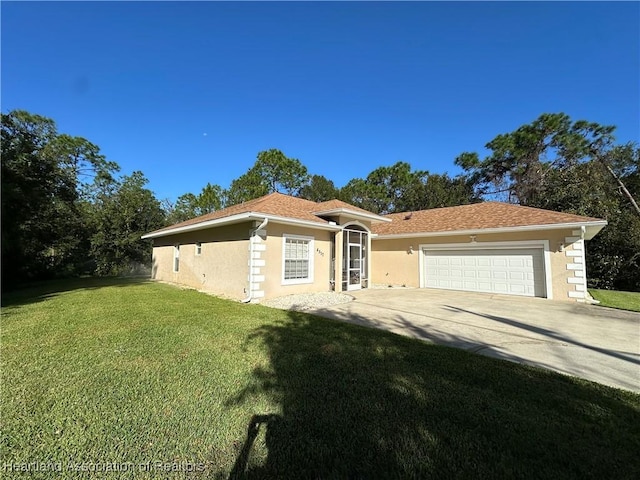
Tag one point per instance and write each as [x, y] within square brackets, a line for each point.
[176, 258]
[298, 281]
[198, 249]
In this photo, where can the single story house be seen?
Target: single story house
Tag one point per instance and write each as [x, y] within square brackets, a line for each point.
[279, 245]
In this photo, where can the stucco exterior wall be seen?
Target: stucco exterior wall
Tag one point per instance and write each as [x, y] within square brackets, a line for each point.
[273, 261]
[222, 267]
[394, 264]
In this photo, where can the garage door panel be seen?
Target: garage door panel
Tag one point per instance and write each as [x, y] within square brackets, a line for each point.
[509, 271]
[500, 275]
[517, 276]
[500, 287]
[499, 262]
[519, 262]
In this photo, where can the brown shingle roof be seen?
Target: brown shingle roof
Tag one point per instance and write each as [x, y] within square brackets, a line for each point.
[477, 216]
[272, 204]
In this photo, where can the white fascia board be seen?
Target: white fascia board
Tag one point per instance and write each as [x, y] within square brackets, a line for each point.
[592, 229]
[241, 217]
[300, 223]
[351, 213]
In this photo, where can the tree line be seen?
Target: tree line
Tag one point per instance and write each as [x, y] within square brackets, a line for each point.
[66, 210]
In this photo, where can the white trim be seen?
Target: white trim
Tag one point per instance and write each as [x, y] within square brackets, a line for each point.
[298, 281]
[576, 294]
[367, 251]
[525, 228]
[574, 266]
[573, 253]
[241, 217]
[574, 280]
[176, 256]
[355, 222]
[522, 244]
[352, 213]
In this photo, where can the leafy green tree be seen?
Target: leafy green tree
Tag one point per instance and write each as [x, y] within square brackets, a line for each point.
[444, 191]
[613, 256]
[386, 189]
[43, 176]
[558, 164]
[189, 206]
[119, 220]
[319, 189]
[399, 189]
[520, 161]
[210, 199]
[272, 172]
[186, 207]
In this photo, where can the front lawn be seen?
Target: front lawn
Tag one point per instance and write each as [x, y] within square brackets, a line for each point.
[154, 381]
[616, 299]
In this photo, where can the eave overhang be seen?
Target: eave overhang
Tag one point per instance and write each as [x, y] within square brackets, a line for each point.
[591, 229]
[239, 218]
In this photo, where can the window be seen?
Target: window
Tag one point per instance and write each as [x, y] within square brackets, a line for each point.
[297, 258]
[198, 248]
[176, 257]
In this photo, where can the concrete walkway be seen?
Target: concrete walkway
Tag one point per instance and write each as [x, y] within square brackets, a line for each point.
[587, 341]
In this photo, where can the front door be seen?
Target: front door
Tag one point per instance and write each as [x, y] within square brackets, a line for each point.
[355, 267]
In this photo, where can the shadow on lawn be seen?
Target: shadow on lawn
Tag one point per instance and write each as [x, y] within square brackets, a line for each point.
[40, 291]
[360, 403]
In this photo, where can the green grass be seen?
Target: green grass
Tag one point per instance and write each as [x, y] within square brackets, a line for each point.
[616, 299]
[131, 374]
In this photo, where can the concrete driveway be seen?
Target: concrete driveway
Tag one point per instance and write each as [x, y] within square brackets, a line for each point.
[586, 341]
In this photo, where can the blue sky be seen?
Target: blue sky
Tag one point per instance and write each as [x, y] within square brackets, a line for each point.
[189, 93]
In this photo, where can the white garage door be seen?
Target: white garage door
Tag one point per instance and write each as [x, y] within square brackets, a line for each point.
[515, 272]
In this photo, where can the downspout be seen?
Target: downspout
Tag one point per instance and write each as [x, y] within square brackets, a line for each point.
[250, 291]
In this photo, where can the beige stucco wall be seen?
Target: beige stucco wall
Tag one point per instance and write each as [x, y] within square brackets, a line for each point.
[392, 264]
[222, 267]
[273, 255]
